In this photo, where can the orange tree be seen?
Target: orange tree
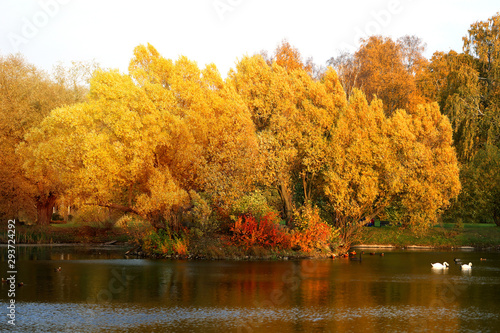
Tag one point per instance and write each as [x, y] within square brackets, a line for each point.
[385, 69]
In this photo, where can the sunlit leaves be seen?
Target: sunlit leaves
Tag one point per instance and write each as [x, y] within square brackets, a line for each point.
[26, 96]
[170, 137]
[356, 181]
[422, 142]
[379, 161]
[143, 142]
[293, 114]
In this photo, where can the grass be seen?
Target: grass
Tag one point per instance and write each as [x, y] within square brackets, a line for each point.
[444, 235]
[65, 233]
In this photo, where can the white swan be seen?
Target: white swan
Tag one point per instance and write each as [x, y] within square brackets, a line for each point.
[469, 266]
[439, 265]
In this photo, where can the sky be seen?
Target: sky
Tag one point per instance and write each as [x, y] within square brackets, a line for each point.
[222, 31]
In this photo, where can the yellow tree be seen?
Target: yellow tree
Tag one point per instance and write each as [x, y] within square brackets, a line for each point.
[319, 106]
[293, 114]
[360, 178]
[143, 142]
[26, 96]
[427, 163]
[377, 162]
[433, 79]
[267, 92]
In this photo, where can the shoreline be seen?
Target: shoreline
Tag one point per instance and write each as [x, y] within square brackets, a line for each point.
[424, 247]
[128, 251]
[387, 238]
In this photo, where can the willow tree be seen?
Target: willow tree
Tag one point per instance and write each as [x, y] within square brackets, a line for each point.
[483, 44]
[466, 87]
[453, 81]
[480, 197]
[144, 141]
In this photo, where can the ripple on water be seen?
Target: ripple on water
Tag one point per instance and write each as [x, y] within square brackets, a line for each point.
[74, 317]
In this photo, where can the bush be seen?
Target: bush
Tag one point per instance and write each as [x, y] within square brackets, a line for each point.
[248, 232]
[254, 204]
[135, 227]
[163, 243]
[96, 216]
[311, 232]
[57, 217]
[459, 225]
[201, 215]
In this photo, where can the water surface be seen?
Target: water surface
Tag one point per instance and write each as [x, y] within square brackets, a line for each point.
[99, 290]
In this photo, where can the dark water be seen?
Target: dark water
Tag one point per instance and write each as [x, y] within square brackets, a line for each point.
[98, 290]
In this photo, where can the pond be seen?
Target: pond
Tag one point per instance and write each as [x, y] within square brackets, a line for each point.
[99, 290]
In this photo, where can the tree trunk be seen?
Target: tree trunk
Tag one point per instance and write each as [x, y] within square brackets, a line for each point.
[286, 198]
[496, 219]
[306, 193]
[44, 207]
[496, 214]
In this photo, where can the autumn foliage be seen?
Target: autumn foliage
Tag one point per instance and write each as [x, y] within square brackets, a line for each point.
[248, 232]
[312, 233]
[163, 243]
[306, 155]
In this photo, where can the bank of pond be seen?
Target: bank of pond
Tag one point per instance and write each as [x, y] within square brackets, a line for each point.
[217, 246]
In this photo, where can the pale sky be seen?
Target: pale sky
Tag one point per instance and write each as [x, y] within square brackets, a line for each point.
[222, 31]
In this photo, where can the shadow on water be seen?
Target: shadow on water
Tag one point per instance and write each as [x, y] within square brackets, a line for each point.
[97, 289]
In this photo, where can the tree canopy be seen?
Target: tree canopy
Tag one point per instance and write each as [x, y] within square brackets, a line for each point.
[466, 87]
[384, 69]
[373, 133]
[144, 140]
[27, 95]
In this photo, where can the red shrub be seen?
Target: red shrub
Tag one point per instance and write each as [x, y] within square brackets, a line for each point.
[316, 237]
[248, 232]
[312, 232]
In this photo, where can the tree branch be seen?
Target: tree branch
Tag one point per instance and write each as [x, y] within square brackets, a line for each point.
[122, 208]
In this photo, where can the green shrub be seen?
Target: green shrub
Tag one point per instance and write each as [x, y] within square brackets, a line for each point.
[164, 243]
[254, 204]
[201, 215]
